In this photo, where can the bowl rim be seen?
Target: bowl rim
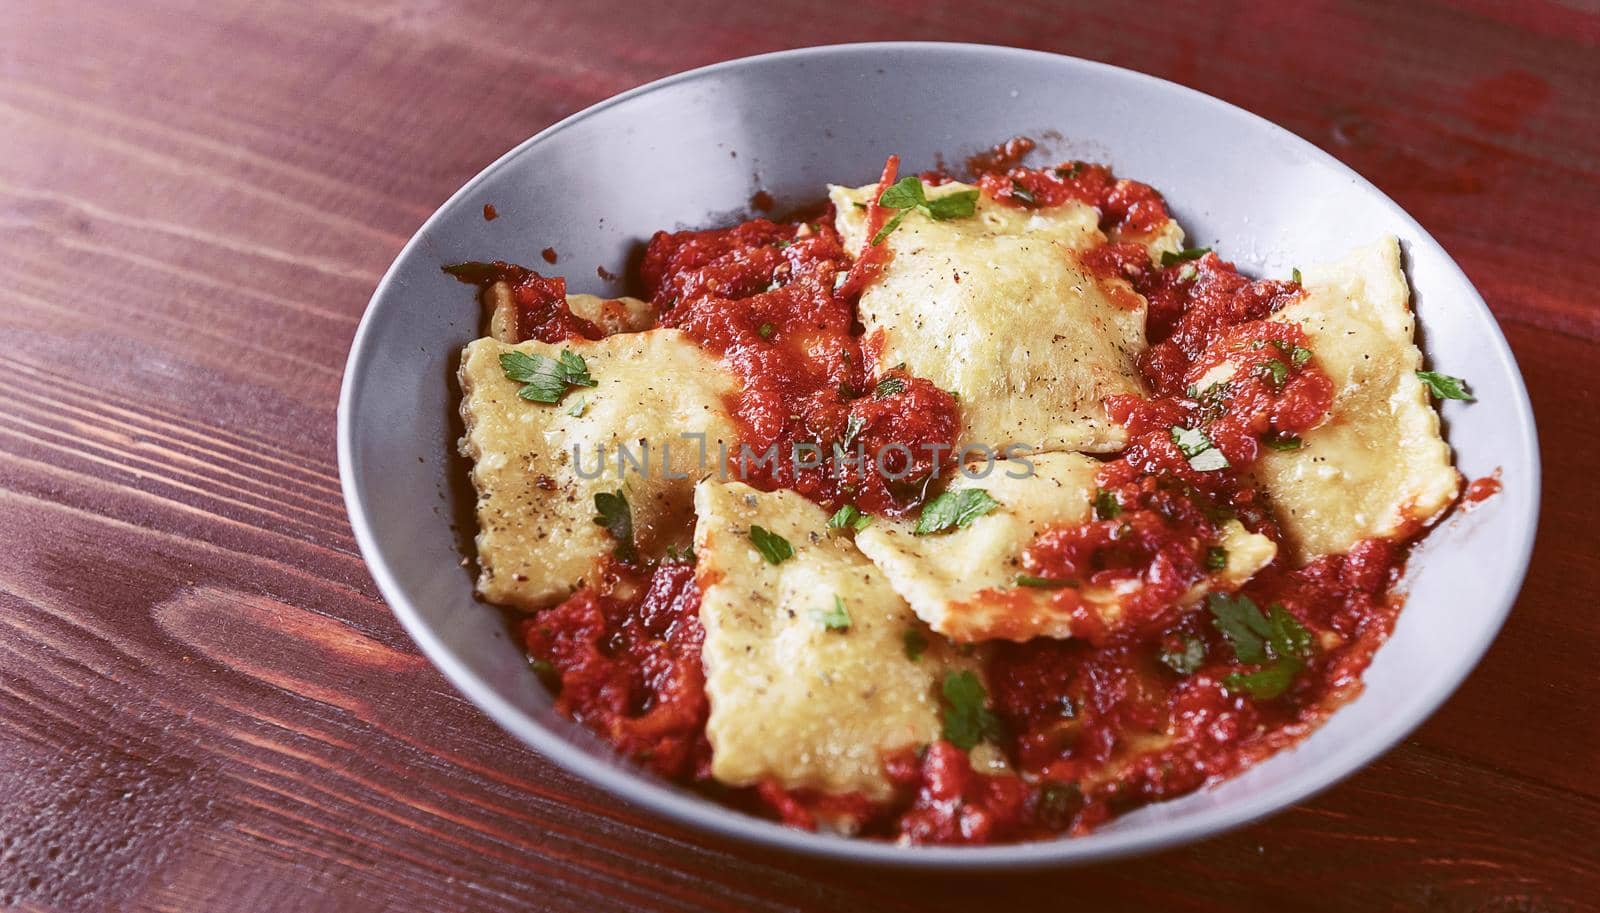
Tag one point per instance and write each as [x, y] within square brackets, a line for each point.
[684, 808]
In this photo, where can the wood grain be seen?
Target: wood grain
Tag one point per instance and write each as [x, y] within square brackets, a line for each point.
[205, 706]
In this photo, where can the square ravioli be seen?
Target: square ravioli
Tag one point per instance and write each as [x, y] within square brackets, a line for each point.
[964, 583]
[537, 467]
[807, 671]
[1000, 310]
[1377, 467]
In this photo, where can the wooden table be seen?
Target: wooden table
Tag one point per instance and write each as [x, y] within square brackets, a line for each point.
[204, 705]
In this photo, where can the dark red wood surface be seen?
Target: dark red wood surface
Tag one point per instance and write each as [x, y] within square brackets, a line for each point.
[204, 705]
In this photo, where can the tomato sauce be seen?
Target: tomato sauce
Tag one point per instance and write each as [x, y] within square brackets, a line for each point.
[1118, 716]
[776, 301]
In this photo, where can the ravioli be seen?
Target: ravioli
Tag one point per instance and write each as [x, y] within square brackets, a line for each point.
[1378, 466]
[964, 583]
[536, 533]
[611, 315]
[1000, 310]
[791, 699]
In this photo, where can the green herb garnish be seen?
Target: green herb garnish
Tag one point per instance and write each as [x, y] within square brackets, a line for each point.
[772, 546]
[1276, 640]
[836, 618]
[1168, 258]
[954, 509]
[1216, 558]
[1198, 449]
[1105, 504]
[1283, 442]
[849, 517]
[1295, 277]
[916, 642]
[1445, 386]
[1019, 192]
[907, 195]
[889, 386]
[766, 330]
[1045, 583]
[967, 717]
[544, 379]
[1186, 659]
[614, 514]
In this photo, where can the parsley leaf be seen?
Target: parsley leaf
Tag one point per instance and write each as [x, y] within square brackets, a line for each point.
[545, 379]
[836, 618]
[1019, 192]
[889, 386]
[1056, 802]
[954, 509]
[1275, 371]
[1198, 449]
[1283, 442]
[1045, 583]
[1295, 276]
[952, 206]
[1267, 682]
[1299, 355]
[1216, 558]
[852, 428]
[1446, 387]
[916, 643]
[888, 227]
[1186, 660]
[849, 517]
[907, 194]
[766, 330]
[576, 409]
[1190, 441]
[1168, 258]
[967, 718]
[1243, 624]
[615, 515]
[772, 546]
[1275, 639]
[1106, 506]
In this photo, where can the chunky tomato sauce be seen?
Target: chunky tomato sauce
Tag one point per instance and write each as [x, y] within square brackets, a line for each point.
[1088, 727]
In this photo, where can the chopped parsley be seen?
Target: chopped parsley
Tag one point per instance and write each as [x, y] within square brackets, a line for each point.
[1216, 558]
[1168, 258]
[1186, 659]
[852, 428]
[1055, 804]
[1068, 174]
[836, 618]
[613, 513]
[889, 386]
[1019, 192]
[849, 517]
[577, 407]
[916, 642]
[766, 330]
[1295, 276]
[967, 717]
[954, 509]
[772, 546]
[1283, 442]
[545, 379]
[1198, 449]
[1105, 505]
[1275, 371]
[1444, 386]
[1045, 583]
[907, 195]
[1275, 640]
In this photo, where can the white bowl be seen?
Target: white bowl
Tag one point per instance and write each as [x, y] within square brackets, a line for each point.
[690, 150]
